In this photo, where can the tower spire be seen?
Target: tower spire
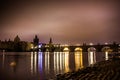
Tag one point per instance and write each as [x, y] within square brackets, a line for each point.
[36, 40]
[50, 42]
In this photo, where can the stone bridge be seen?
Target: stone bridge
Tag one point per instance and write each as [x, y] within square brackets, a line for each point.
[84, 48]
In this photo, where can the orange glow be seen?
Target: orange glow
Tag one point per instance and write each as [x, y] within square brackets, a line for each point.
[67, 69]
[66, 49]
[78, 60]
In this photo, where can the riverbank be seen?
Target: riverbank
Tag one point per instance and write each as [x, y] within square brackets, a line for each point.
[104, 70]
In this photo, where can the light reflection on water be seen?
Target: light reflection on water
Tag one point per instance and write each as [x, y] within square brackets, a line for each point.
[47, 62]
[106, 55]
[91, 58]
[67, 69]
[39, 65]
[78, 60]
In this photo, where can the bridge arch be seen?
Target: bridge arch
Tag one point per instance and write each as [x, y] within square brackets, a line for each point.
[66, 49]
[91, 49]
[106, 49]
[78, 49]
[91, 55]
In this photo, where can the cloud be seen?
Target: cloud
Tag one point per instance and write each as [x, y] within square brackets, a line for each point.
[76, 22]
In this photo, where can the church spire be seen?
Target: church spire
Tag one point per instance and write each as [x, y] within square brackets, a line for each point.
[50, 42]
[36, 40]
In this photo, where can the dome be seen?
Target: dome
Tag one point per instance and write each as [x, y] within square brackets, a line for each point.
[17, 39]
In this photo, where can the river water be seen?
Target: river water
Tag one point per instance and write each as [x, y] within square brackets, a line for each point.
[44, 65]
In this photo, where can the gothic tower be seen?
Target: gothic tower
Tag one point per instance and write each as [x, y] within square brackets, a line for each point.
[50, 42]
[35, 40]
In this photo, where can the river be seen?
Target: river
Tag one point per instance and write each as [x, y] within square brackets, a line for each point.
[44, 65]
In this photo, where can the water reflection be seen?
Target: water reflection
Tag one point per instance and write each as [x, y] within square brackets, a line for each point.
[40, 65]
[34, 62]
[62, 58]
[91, 57]
[40, 57]
[47, 62]
[14, 63]
[44, 65]
[67, 69]
[56, 62]
[31, 62]
[106, 50]
[61, 62]
[78, 60]
[106, 55]
[3, 59]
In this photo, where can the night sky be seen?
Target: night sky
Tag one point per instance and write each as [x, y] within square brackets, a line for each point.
[69, 22]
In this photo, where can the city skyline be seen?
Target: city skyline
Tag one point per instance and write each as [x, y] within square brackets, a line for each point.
[50, 41]
[66, 22]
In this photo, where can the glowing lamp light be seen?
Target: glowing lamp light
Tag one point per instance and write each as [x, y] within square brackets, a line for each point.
[91, 44]
[40, 45]
[12, 64]
[66, 45]
[31, 47]
[35, 47]
[78, 44]
[106, 43]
